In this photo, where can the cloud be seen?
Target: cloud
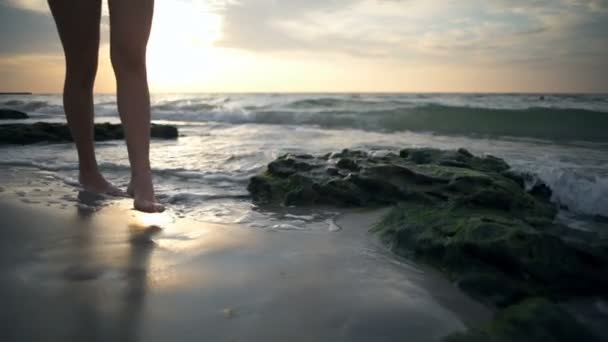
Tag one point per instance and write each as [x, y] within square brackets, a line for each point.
[519, 37]
[27, 32]
[39, 6]
[495, 31]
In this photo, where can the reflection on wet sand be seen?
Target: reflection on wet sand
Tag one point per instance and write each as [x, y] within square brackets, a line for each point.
[89, 257]
[136, 275]
[108, 273]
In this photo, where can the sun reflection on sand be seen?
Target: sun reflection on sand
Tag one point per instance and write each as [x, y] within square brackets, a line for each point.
[147, 220]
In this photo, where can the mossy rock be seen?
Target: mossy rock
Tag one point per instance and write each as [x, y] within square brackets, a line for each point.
[486, 244]
[532, 320]
[363, 179]
[23, 134]
[489, 228]
[11, 114]
[470, 216]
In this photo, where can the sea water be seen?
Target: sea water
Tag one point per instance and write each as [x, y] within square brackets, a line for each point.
[227, 138]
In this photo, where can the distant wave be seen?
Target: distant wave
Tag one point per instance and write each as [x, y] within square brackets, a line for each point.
[567, 117]
[543, 123]
[33, 106]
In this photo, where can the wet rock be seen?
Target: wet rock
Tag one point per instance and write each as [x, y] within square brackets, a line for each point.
[10, 114]
[533, 320]
[348, 164]
[517, 177]
[471, 217]
[472, 244]
[491, 164]
[465, 152]
[163, 131]
[22, 134]
[353, 177]
[420, 156]
[541, 190]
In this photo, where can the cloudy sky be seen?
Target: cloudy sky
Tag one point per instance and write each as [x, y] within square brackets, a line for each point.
[336, 45]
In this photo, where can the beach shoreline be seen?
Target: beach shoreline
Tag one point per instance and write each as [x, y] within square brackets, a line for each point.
[223, 266]
[114, 273]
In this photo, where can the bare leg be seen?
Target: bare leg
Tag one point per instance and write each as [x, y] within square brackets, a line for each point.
[78, 27]
[130, 23]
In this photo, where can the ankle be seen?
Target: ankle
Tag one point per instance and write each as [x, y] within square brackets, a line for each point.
[142, 183]
[144, 175]
[88, 166]
[86, 176]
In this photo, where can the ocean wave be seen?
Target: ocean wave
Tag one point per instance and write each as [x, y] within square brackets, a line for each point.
[185, 106]
[543, 123]
[34, 106]
[578, 192]
[555, 117]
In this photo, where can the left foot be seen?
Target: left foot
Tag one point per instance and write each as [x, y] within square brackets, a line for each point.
[142, 191]
[95, 183]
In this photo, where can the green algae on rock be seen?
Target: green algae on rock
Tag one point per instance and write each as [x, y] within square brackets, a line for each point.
[487, 227]
[23, 134]
[424, 175]
[496, 255]
[534, 319]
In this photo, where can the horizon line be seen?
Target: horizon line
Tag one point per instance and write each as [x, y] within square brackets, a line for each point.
[335, 92]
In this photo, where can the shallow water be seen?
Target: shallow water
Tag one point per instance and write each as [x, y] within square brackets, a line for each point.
[227, 138]
[110, 275]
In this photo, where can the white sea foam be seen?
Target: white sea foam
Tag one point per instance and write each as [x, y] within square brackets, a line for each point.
[583, 193]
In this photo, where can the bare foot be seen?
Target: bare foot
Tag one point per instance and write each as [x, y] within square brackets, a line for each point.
[97, 184]
[142, 191]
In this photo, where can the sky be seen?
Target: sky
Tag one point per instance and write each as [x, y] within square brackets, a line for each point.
[335, 45]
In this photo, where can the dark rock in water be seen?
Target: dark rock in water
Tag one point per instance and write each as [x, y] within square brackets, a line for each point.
[352, 178]
[419, 156]
[541, 190]
[465, 152]
[534, 319]
[517, 177]
[469, 216]
[22, 134]
[163, 131]
[347, 164]
[8, 114]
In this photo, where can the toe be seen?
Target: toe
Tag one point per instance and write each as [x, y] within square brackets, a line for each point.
[148, 207]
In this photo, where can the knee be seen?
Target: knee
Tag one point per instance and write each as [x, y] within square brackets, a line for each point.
[81, 71]
[128, 58]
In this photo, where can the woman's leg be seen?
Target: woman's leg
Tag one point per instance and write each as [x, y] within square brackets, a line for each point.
[130, 23]
[78, 26]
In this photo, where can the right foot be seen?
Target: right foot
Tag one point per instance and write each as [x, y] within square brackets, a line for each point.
[97, 184]
[142, 191]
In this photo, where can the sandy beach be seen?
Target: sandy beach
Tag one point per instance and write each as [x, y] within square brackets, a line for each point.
[253, 247]
[115, 274]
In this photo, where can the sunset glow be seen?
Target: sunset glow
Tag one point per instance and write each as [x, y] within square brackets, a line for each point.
[363, 45]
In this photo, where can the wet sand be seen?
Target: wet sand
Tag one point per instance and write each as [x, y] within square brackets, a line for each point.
[118, 275]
